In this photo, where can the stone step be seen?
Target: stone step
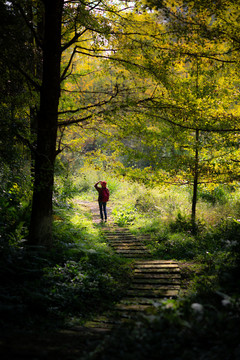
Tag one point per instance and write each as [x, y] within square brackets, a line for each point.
[153, 293]
[158, 275]
[126, 241]
[156, 271]
[147, 262]
[117, 235]
[154, 286]
[133, 307]
[140, 301]
[131, 251]
[155, 265]
[100, 325]
[126, 247]
[135, 256]
[114, 229]
[134, 244]
[153, 282]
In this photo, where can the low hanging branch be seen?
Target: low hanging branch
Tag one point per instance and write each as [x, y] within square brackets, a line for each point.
[93, 106]
[169, 107]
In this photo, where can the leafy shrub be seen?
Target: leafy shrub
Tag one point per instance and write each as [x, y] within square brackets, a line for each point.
[14, 215]
[220, 252]
[184, 223]
[176, 246]
[146, 203]
[124, 216]
[64, 190]
[37, 291]
[187, 329]
[76, 278]
[220, 194]
[87, 286]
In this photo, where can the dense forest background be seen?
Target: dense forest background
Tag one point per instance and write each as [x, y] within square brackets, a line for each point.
[145, 95]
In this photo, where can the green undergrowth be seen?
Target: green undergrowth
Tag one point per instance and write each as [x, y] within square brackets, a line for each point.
[204, 322]
[81, 276]
[76, 279]
[203, 326]
[163, 214]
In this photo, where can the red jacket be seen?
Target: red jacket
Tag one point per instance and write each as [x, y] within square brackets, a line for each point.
[103, 193]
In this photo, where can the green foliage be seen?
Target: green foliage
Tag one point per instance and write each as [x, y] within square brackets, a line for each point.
[38, 292]
[78, 278]
[81, 277]
[219, 194]
[176, 240]
[64, 190]
[182, 223]
[124, 216]
[85, 287]
[190, 90]
[176, 246]
[146, 202]
[14, 214]
[194, 327]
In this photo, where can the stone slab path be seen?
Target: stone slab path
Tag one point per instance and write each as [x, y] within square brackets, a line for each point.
[153, 280]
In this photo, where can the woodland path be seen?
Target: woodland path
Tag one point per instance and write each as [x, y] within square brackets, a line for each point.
[153, 280]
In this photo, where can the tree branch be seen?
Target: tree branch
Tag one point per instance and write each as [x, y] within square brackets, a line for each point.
[64, 76]
[74, 121]
[111, 58]
[73, 40]
[101, 103]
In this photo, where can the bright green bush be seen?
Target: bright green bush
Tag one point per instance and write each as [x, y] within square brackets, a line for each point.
[221, 194]
[124, 216]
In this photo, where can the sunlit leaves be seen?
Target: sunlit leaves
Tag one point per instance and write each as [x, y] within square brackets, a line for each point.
[174, 74]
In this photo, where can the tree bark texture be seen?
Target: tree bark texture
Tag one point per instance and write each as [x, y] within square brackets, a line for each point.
[47, 119]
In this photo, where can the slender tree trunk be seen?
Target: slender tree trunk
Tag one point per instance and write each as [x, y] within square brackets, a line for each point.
[195, 183]
[41, 217]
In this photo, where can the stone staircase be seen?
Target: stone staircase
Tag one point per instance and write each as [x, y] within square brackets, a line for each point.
[153, 280]
[125, 243]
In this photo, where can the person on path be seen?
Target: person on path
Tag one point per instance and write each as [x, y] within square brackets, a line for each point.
[103, 197]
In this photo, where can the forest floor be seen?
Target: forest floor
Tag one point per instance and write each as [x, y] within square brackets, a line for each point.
[153, 280]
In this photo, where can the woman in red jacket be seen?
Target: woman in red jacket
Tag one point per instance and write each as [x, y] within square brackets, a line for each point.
[103, 196]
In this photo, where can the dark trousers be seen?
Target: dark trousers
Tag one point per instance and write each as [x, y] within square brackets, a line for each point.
[103, 209]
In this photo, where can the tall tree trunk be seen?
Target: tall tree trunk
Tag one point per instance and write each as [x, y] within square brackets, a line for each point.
[41, 217]
[36, 67]
[195, 183]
